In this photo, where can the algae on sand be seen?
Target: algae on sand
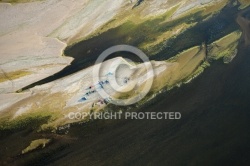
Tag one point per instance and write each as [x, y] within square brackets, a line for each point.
[225, 47]
[13, 75]
[36, 144]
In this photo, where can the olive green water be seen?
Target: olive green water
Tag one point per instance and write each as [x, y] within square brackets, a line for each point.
[214, 129]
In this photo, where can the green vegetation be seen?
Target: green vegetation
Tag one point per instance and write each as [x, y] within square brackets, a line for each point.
[149, 33]
[29, 120]
[225, 47]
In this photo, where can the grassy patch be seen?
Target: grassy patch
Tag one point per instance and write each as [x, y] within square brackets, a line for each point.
[224, 47]
[149, 33]
[33, 118]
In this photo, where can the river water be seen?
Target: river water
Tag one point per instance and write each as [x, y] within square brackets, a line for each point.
[214, 128]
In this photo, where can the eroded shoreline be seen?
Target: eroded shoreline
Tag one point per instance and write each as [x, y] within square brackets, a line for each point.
[58, 95]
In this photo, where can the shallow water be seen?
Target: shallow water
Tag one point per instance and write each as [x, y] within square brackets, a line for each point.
[214, 128]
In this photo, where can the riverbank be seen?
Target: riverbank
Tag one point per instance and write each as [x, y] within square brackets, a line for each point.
[67, 92]
[44, 108]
